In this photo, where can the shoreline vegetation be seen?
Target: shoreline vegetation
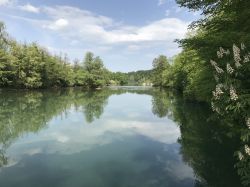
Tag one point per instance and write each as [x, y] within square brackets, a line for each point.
[30, 66]
[190, 72]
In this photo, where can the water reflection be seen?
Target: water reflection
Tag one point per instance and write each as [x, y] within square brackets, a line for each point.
[207, 145]
[114, 137]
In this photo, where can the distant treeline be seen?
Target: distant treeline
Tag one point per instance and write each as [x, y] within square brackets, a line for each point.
[32, 66]
[135, 78]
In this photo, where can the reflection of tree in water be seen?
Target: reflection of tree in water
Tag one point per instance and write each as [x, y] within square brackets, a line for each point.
[161, 103]
[93, 104]
[208, 145]
[30, 111]
[22, 112]
[161, 100]
[3, 158]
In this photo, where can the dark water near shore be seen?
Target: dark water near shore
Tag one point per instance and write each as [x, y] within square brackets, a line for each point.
[119, 137]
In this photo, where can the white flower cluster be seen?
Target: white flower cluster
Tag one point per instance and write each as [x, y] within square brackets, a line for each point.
[248, 122]
[230, 70]
[217, 68]
[221, 52]
[247, 56]
[214, 108]
[247, 150]
[213, 63]
[218, 91]
[240, 155]
[233, 95]
[237, 64]
[237, 58]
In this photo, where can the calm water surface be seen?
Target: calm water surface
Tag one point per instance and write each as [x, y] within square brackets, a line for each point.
[119, 137]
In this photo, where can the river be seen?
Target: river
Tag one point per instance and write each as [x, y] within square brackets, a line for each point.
[116, 137]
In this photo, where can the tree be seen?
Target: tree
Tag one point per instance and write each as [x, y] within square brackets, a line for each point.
[160, 64]
[6, 68]
[95, 71]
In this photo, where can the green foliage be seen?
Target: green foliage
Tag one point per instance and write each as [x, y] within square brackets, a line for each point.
[118, 78]
[95, 72]
[31, 66]
[24, 111]
[134, 78]
[161, 103]
[188, 74]
[160, 64]
[191, 76]
[139, 78]
[231, 99]
[225, 24]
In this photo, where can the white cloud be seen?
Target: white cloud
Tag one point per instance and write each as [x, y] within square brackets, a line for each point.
[84, 30]
[30, 8]
[84, 25]
[60, 23]
[5, 2]
[161, 2]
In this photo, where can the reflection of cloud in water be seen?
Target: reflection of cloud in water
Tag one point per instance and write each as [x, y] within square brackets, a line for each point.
[63, 138]
[33, 151]
[127, 142]
[73, 136]
[133, 161]
[70, 138]
[158, 131]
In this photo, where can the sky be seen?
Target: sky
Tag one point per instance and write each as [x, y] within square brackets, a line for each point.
[126, 34]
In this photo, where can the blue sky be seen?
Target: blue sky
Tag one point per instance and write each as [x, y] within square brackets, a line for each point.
[126, 34]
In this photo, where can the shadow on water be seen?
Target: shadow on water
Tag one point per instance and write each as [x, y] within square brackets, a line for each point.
[206, 144]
